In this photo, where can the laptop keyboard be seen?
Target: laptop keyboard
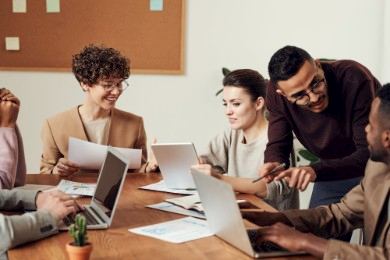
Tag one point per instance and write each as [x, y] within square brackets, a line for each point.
[70, 219]
[264, 246]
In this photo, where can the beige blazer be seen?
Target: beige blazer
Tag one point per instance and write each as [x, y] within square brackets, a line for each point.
[359, 208]
[126, 130]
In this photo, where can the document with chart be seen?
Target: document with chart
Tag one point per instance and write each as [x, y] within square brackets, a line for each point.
[176, 231]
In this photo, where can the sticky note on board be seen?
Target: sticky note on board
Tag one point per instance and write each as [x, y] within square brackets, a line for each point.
[12, 43]
[53, 6]
[19, 6]
[156, 5]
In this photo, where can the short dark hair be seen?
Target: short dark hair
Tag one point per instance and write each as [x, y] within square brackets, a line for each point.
[286, 62]
[95, 63]
[249, 80]
[384, 108]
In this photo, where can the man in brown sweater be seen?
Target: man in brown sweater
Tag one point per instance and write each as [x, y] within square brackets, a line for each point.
[366, 206]
[326, 105]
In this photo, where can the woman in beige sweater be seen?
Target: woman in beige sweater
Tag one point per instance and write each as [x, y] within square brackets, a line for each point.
[235, 155]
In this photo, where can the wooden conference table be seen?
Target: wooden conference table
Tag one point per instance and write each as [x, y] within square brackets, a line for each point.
[118, 243]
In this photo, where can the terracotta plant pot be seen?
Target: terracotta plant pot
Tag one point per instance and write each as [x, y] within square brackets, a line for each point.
[78, 252]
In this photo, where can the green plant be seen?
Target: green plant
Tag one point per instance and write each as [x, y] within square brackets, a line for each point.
[305, 154]
[225, 71]
[78, 231]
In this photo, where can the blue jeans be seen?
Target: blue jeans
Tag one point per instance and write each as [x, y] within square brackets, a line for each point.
[328, 192]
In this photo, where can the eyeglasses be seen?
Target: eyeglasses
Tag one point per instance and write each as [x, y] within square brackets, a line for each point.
[304, 98]
[121, 86]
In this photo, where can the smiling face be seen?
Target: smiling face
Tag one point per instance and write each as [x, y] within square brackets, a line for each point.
[307, 88]
[241, 110]
[98, 96]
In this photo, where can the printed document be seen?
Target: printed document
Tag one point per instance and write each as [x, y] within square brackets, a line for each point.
[176, 231]
[91, 156]
[76, 188]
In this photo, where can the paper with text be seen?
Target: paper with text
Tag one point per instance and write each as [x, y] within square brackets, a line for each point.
[176, 231]
[91, 156]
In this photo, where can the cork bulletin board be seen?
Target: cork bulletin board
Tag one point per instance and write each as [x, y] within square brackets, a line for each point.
[152, 37]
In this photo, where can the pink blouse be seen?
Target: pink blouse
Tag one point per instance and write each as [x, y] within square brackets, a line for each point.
[12, 161]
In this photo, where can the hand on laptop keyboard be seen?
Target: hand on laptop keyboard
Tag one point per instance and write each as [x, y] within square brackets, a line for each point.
[261, 246]
[290, 239]
[57, 203]
[70, 219]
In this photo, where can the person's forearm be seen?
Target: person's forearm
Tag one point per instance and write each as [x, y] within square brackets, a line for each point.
[314, 245]
[344, 168]
[16, 199]
[16, 230]
[245, 185]
[265, 218]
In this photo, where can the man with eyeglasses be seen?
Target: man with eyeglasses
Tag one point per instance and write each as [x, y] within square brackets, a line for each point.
[326, 105]
[366, 206]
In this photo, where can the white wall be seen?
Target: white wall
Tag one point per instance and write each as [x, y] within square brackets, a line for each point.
[230, 33]
[386, 43]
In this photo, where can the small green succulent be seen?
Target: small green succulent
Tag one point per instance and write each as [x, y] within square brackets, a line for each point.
[78, 231]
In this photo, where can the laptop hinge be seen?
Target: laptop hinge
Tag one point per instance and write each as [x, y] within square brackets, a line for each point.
[94, 212]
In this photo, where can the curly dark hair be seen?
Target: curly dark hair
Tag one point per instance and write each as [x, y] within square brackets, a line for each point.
[95, 63]
[249, 80]
[286, 62]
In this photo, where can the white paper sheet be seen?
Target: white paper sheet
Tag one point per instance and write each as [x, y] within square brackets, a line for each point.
[19, 6]
[91, 156]
[77, 188]
[160, 186]
[165, 206]
[12, 44]
[176, 231]
[53, 6]
[187, 202]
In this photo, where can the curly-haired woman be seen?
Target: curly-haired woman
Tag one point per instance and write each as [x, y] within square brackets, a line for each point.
[101, 73]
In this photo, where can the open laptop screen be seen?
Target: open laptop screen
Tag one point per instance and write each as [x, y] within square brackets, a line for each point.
[109, 182]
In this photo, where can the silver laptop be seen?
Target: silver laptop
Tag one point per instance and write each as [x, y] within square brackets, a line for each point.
[224, 217]
[175, 161]
[100, 212]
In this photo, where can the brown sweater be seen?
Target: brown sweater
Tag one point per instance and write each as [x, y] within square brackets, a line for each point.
[335, 135]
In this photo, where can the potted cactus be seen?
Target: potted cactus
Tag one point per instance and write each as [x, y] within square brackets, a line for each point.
[80, 248]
